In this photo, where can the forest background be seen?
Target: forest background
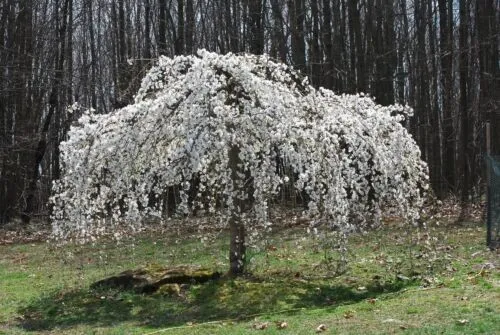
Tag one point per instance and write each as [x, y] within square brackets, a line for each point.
[440, 57]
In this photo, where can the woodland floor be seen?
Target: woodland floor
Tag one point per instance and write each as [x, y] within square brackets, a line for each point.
[389, 287]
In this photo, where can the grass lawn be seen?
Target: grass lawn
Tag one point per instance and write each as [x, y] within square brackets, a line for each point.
[388, 287]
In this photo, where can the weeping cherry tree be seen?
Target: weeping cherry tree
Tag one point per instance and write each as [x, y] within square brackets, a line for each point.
[219, 127]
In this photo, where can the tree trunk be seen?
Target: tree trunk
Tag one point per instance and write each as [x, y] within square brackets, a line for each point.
[10, 174]
[162, 27]
[357, 48]
[256, 29]
[316, 57]
[179, 42]
[448, 138]
[384, 52]
[421, 102]
[296, 12]
[342, 78]
[464, 106]
[24, 119]
[146, 53]
[327, 43]
[93, 57]
[190, 25]
[488, 30]
[237, 248]
[279, 48]
[56, 91]
[436, 119]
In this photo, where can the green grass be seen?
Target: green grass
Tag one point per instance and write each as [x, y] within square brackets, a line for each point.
[46, 290]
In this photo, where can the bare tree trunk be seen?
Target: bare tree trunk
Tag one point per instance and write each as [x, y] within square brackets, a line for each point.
[296, 13]
[179, 42]
[384, 53]
[464, 106]
[403, 46]
[357, 48]
[54, 97]
[436, 115]
[279, 40]
[93, 57]
[342, 75]
[488, 30]
[446, 46]
[316, 57]
[255, 27]
[162, 27]
[190, 26]
[9, 179]
[147, 52]
[327, 43]
[24, 112]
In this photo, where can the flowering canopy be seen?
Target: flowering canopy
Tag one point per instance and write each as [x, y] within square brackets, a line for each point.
[193, 113]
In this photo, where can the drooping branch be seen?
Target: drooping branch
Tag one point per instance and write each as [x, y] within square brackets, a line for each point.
[226, 125]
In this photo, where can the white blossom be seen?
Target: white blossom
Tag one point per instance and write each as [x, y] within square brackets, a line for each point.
[351, 156]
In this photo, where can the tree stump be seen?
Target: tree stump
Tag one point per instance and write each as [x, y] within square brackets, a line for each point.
[155, 278]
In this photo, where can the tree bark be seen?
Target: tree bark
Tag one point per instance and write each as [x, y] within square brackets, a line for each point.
[190, 25]
[179, 42]
[436, 115]
[237, 247]
[296, 13]
[256, 29]
[327, 43]
[464, 105]
[56, 90]
[316, 57]
[10, 174]
[162, 27]
[278, 48]
[488, 30]
[357, 48]
[384, 53]
[448, 138]
[147, 31]
[342, 75]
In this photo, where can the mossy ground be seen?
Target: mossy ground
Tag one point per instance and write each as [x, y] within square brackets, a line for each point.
[388, 287]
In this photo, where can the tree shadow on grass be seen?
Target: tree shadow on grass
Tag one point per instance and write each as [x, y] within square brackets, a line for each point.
[238, 299]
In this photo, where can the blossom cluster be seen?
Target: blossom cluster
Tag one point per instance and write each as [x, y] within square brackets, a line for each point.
[351, 156]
